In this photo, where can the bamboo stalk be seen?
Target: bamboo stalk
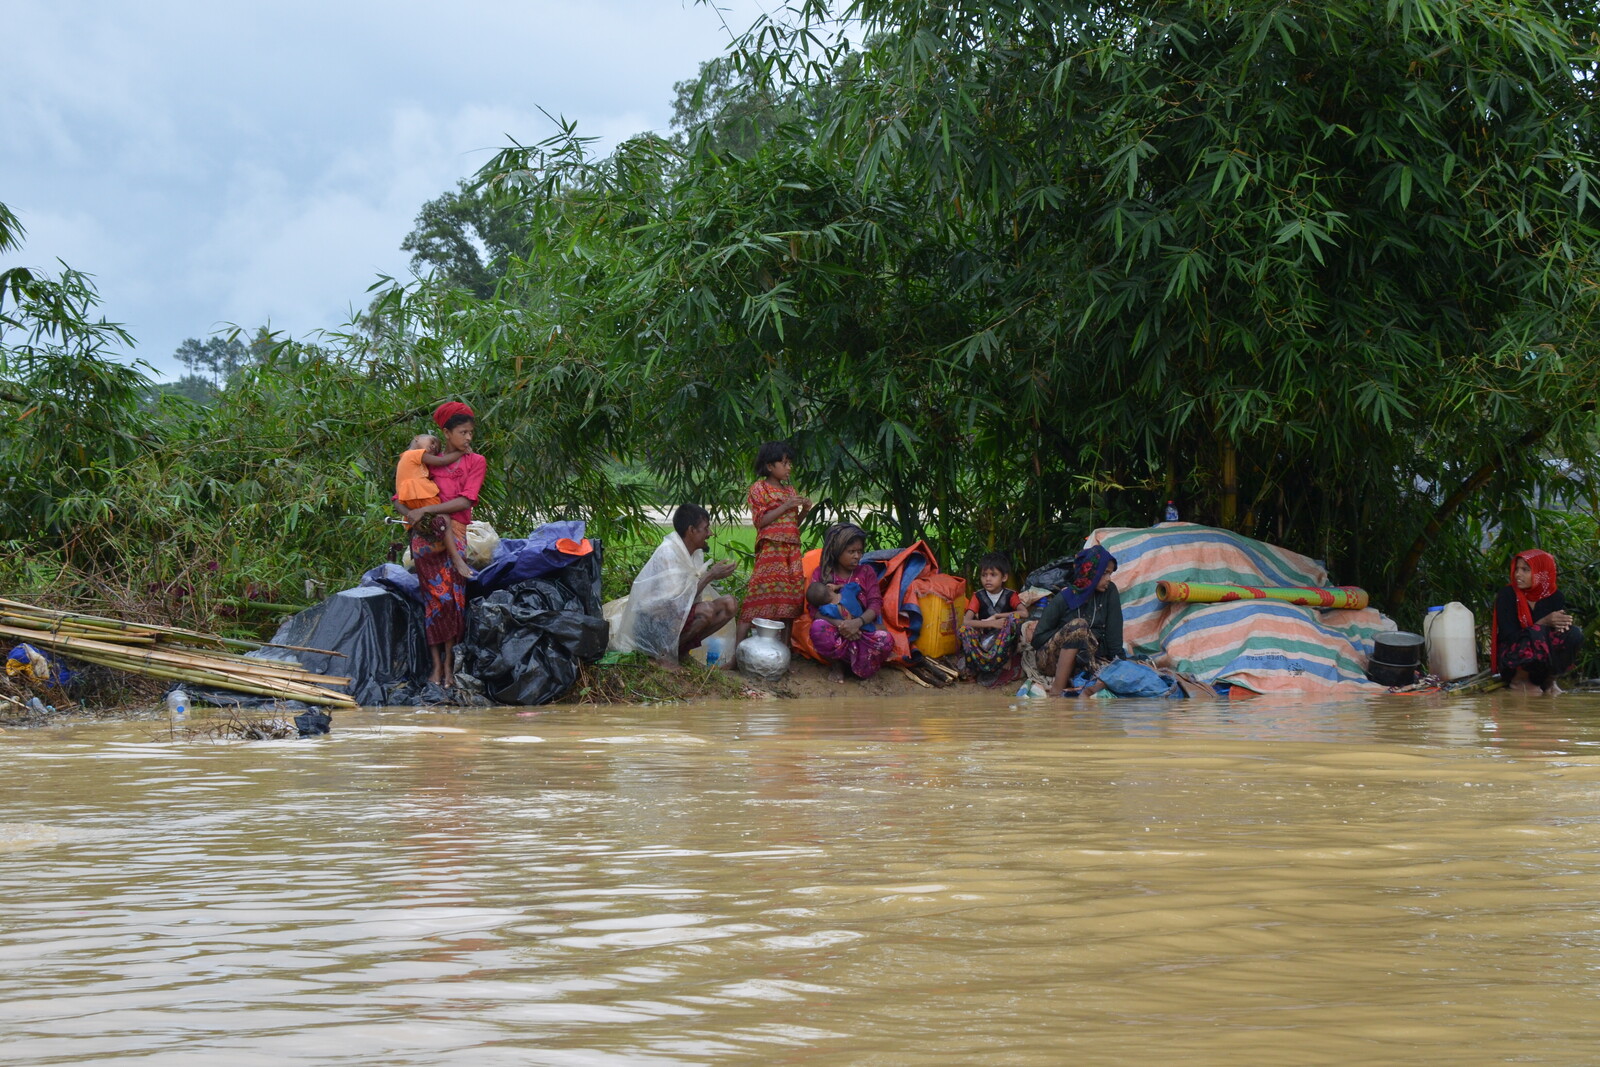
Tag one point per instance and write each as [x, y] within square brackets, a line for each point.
[129, 638]
[140, 664]
[325, 697]
[294, 648]
[175, 657]
[139, 660]
[170, 652]
[221, 680]
[173, 632]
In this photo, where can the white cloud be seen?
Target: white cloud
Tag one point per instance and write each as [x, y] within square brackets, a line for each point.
[214, 163]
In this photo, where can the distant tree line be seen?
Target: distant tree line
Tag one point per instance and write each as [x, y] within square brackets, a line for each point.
[212, 364]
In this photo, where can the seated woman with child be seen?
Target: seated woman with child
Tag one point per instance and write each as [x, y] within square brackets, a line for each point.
[845, 612]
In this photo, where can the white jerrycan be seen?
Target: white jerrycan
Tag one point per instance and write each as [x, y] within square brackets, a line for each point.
[1452, 642]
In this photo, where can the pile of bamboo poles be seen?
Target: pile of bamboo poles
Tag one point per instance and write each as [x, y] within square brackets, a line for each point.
[167, 652]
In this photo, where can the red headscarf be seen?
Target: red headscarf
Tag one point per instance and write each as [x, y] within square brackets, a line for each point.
[1543, 565]
[449, 410]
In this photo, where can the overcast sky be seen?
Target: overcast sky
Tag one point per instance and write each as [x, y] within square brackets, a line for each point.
[213, 163]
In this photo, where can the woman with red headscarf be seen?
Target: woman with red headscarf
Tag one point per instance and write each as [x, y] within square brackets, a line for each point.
[1532, 638]
[444, 592]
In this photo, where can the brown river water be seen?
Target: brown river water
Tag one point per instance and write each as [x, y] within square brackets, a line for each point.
[958, 879]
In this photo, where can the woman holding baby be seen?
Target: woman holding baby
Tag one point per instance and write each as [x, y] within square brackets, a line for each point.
[438, 526]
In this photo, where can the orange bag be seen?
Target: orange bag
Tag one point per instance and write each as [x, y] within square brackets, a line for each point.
[800, 631]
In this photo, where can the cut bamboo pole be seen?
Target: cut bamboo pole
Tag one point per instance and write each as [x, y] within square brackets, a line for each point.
[63, 621]
[177, 633]
[254, 676]
[324, 697]
[170, 652]
[9, 618]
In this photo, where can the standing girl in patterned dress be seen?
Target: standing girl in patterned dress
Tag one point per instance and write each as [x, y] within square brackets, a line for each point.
[777, 583]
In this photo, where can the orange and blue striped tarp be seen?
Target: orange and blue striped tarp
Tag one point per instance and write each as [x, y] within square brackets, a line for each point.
[1261, 645]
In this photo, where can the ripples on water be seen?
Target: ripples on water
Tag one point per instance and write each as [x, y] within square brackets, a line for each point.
[955, 880]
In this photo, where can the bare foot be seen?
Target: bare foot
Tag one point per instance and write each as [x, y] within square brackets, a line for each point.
[836, 672]
[1523, 686]
[464, 570]
[670, 666]
[1552, 690]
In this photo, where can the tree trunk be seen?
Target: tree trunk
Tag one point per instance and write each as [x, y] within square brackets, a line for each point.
[1229, 511]
[1399, 588]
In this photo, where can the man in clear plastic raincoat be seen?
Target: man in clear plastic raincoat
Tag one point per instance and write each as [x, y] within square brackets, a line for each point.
[665, 616]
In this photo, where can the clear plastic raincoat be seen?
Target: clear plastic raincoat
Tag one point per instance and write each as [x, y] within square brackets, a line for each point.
[650, 618]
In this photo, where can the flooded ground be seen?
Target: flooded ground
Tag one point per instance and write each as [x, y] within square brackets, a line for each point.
[944, 881]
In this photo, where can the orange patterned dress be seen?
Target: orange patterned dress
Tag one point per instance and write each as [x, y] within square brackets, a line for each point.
[777, 584]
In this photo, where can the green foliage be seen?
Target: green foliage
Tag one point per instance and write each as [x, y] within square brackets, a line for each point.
[74, 412]
[1321, 273]
[466, 239]
[192, 387]
[727, 109]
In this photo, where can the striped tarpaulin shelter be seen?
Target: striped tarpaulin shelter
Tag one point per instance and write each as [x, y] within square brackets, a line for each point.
[1263, 646]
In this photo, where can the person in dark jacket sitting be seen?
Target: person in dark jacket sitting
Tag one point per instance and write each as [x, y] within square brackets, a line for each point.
[1533, 639]
[1082, 624]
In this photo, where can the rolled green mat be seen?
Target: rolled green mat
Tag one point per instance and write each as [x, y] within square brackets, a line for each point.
[1347, 597]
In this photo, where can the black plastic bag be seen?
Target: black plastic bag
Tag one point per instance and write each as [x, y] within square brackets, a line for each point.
[524, 643]
[313, 722]
[1053, 576]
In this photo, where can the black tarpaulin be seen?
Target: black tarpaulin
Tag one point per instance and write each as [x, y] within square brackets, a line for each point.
[524, 643]
[385, 655]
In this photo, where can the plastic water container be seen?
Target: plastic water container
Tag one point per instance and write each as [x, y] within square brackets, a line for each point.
[713, 647]
[178, 703]
[1452, 641]
[1171, 514]
[938, 636]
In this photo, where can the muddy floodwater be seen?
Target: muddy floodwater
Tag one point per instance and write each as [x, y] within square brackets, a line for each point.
[962, 879]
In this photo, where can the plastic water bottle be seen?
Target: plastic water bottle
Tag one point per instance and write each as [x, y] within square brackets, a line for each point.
[713, 650]
[1171, 513]
[178, 703]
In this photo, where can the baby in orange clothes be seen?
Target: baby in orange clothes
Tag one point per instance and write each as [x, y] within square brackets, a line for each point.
[414, 487]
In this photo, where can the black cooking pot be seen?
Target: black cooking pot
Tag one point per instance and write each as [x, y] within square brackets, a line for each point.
[1390, 675]
[1397, 649]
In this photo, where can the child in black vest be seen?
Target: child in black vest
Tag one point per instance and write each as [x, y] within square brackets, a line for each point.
[992, 622]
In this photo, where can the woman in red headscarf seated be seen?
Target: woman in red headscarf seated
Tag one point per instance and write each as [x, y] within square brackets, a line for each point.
[1533, 640]
[444, 592]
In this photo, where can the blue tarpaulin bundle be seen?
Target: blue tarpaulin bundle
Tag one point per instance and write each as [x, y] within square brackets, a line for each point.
[516, 559]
